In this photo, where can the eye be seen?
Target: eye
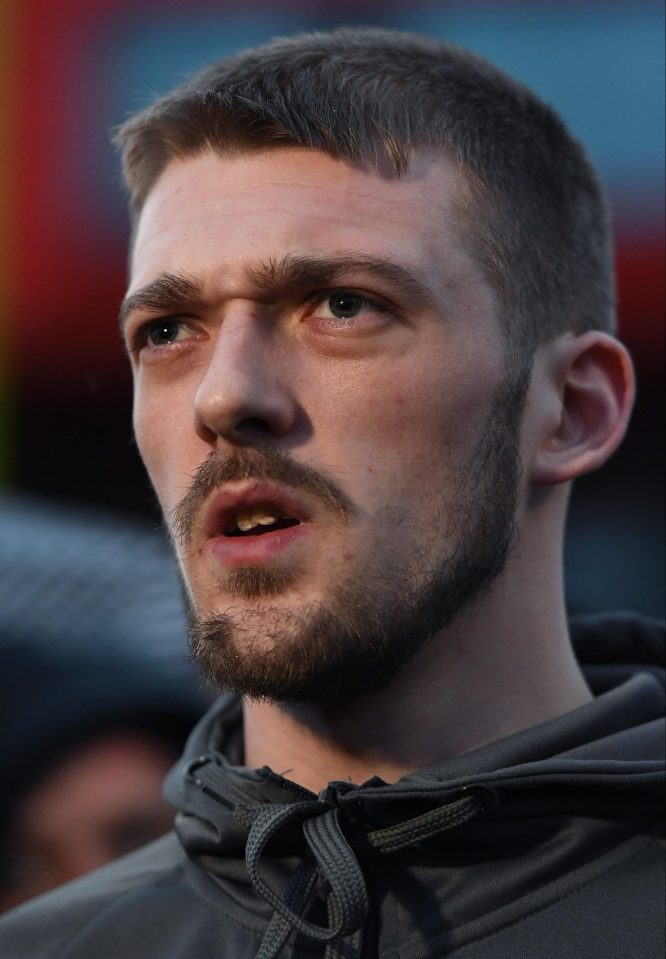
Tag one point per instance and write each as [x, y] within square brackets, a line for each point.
[344, 305]
[349, 314]
[165, 332]
[346, 310]
[156, 336]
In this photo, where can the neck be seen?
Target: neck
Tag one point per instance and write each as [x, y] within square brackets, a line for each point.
[504, 665]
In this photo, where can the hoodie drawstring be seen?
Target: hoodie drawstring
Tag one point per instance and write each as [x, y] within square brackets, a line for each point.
[332, 862]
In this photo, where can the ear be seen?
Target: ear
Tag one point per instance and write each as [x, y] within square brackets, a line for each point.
[586, 391]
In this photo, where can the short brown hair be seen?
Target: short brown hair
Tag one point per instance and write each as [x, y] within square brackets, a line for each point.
[533, 214]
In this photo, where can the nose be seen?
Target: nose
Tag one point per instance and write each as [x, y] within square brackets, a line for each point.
[244, 395]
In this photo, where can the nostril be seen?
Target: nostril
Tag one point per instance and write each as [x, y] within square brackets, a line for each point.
[253, 425]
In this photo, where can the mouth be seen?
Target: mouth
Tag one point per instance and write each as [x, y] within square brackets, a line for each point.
[259, 521]
[249, 524]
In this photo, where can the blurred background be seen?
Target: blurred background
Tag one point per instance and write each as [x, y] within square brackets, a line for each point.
[79, 528]
[73, 69]
[96, 695]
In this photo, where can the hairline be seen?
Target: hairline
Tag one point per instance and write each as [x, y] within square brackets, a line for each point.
[464, 220]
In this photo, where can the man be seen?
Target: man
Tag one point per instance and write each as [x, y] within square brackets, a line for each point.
[370, 319]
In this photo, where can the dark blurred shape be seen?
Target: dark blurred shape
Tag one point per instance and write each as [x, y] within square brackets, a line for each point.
[97, 696]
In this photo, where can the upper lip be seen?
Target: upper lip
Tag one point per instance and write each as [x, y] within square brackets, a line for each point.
[234, 497]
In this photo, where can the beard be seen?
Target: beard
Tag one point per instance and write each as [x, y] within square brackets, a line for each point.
[374, 621]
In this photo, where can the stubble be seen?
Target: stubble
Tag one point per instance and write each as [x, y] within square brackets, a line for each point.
[374, 620]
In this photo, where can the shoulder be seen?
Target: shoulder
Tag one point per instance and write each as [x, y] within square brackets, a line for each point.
[611, 915]
[48, 927]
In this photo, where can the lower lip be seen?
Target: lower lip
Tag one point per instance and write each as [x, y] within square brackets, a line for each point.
[255, 550]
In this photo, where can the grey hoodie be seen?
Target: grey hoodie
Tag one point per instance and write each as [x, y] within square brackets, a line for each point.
[542, 845]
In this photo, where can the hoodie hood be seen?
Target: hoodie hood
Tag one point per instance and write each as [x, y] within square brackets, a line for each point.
[504, 824]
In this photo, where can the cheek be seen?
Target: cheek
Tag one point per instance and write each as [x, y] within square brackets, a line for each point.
[165, 446]
[381, 433]
[147, 430]
[402, 424]
[391, 411]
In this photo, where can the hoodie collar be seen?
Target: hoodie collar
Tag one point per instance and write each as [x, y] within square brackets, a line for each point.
[232, 817]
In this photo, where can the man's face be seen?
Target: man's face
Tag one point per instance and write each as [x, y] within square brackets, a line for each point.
[319, 402]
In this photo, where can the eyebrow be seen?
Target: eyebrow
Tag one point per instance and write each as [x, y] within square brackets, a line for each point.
[292, 271]
[168, 292]
[173, 292]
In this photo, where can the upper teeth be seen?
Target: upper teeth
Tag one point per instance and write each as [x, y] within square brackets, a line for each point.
[248, 519]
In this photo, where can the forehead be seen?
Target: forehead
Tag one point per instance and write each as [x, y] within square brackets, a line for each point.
[227, 214]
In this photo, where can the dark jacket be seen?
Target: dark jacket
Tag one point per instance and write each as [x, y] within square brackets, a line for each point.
[543, 845]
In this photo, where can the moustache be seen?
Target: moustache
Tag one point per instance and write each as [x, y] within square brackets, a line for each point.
[265, 463]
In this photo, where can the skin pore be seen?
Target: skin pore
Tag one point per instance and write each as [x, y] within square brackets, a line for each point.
[240, 342]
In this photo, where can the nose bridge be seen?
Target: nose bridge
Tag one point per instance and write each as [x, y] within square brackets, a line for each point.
[241, 390]
[239, 337]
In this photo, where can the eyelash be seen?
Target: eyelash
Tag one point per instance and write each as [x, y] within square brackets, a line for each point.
[139, 340]
[317, 299]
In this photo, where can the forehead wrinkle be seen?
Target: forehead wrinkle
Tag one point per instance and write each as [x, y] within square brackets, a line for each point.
[175, 290]
[294, 271]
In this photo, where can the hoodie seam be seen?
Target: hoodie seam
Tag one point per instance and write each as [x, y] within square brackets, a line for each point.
[561, 898]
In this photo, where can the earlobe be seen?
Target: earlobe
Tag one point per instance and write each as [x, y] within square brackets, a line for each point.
[592, 380]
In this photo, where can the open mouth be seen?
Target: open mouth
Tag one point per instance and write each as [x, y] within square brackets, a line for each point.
[257, 522]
